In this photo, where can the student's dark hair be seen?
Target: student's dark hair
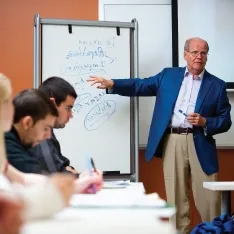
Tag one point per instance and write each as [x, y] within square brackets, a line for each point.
[34, 103]
[58, 88]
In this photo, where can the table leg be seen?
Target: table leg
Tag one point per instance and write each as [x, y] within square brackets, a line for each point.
[226, 202]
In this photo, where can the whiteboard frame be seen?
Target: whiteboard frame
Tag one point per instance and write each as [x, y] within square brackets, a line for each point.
[134, 106]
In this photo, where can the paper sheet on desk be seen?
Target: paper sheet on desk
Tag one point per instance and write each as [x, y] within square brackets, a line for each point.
[117, 200]
[116, 184]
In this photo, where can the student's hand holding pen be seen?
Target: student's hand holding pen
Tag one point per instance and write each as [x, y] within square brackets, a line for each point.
[85, 182]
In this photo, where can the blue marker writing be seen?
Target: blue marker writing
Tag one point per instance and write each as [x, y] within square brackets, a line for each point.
[183, 113]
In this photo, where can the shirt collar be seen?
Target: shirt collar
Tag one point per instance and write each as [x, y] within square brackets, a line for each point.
[199, 77]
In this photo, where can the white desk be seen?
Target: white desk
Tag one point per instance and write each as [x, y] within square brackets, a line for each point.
[225, 188]
[104, 221]
[129, 199]
[71, 221]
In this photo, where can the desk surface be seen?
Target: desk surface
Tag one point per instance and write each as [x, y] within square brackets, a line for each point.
[127, 200]
[219, 186]
[105, 221]
[74, 221]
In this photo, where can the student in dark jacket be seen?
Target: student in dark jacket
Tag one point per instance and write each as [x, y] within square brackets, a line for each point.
[33, 120]
[62, 96]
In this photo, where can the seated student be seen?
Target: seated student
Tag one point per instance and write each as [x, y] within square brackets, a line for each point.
[42, 196]
[63, 96]
[33, 119]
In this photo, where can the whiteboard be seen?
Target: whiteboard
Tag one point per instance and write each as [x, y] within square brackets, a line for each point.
[218, 31]
[100, 127]
[155, 44]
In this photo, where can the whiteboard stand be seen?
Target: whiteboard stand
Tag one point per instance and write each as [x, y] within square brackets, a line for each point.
[45, 65]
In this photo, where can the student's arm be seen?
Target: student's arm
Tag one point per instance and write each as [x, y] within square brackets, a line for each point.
[54, 145]
[16, 176]
[72, 170]
[42, 196]
[44, 199]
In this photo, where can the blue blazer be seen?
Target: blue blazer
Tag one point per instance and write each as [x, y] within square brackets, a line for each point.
[212, 103]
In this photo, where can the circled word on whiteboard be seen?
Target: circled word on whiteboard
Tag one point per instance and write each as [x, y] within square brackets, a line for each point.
[99, 115]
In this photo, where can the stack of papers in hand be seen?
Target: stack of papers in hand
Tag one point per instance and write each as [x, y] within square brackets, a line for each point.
[105, 199]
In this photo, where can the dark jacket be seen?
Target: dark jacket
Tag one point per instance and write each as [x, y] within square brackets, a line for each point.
[49, 152]
[19, 157]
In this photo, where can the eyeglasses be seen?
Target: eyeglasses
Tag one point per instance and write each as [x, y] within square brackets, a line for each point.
[196, 53]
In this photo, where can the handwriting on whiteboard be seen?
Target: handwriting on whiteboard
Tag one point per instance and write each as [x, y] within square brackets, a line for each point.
[110, 42]
[99, 115]
[81, 69]
[89, 57]
[86, 100]
[92, 53]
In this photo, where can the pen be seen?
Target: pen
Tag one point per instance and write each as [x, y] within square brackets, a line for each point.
[90, 165]
[183, 113]
[93, 165]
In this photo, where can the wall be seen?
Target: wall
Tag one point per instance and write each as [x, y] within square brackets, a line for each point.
[16, 27]
[16, 61]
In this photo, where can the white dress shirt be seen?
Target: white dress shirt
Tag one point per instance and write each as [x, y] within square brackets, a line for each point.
[186, 99]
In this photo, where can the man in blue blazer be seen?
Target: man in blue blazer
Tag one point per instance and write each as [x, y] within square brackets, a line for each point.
[191, 106]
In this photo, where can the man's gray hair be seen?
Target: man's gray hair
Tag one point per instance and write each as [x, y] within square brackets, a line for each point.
[187, 43]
